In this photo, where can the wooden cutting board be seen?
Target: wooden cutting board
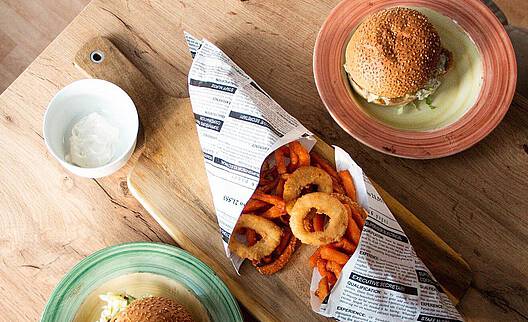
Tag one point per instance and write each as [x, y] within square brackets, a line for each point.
[170, 182]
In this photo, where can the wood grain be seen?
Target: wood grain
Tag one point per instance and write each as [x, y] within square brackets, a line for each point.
[515, 11]
[26, 28]
[170, 173]
[48, 17]
[475, 201]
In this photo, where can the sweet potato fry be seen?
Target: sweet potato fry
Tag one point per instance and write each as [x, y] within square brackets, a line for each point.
[331, 254]
[315, 256]
[308, 224]
[348, 184]
[285, 239]
[254, 205]
[318, 222]
[279, 161]
[285, 219]
[302, 154]
[337, 187]
[265, 166]
[323, 289]
[308, 220]
[266, 260]
[364, 214]
[331, 278]
[294, 161]
[267, 171]
[264, 181]
[283, 258]
[285, 150]
[344, 244]
[334, 267]
[271, 199]
[279, 190]
[352, 232]
[251, 237]
[274, 212]
[269, 186]
[321, 266]
[358, 218]
[324, 164]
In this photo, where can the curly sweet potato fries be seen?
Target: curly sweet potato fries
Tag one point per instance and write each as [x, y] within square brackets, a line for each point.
[268, 202]
[330, 259]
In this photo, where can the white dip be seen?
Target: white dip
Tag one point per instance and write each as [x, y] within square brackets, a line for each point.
[92, 141]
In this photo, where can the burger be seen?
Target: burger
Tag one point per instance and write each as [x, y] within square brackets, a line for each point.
[124, 308]
[395, 57]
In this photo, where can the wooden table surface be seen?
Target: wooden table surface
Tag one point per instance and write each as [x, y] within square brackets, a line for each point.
[477, 200]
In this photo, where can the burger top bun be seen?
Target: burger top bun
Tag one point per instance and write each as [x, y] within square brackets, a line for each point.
[154, 309]
[393, 52]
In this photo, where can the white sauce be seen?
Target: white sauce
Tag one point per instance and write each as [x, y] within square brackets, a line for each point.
[92, 141]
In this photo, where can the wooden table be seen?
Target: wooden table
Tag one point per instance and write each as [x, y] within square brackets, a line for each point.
[477, 200]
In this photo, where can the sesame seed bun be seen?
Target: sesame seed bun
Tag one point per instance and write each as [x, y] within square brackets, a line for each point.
[393, 54]
[154, 309]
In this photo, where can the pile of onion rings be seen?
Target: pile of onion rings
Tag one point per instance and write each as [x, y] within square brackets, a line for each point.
[300, 197]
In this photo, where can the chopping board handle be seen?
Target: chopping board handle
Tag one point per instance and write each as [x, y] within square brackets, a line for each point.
[101, 59]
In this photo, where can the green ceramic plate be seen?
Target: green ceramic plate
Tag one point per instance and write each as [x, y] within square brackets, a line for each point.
[153, 267]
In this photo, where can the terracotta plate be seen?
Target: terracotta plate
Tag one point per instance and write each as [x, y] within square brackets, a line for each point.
[498, 88]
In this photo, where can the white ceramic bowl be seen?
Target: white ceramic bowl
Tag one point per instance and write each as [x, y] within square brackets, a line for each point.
[76, 101]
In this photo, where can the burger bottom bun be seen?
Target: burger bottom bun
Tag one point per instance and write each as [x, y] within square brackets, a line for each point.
[397, 101]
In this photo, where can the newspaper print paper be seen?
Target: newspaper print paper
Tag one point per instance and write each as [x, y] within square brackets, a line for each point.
[239, 125]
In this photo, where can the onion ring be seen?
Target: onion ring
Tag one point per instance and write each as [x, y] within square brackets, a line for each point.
[270, 233]
[290, 245]
[358, 213]
[289, 205]
[323, 203]
[305, 176]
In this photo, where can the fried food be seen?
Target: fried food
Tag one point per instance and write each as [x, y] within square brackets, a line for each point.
[289, 205]
[323, 203]
[352, 231]
[347, 246]
[334, 268]
[294, 161]
[268, 186]
[321, 266]
[324, 164]
[315, 256]
[279, 161]
[271, 199]
[331, 254]
[358, 213]
[331, 278]
[270, 237]
[348, 184]
[305, 177]
[323, 289]
[284, 251]
[254, 205]
[338, 188]
[274, 212]
[318, 222]
[301, 154]
[329, 217]
[251, 237]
